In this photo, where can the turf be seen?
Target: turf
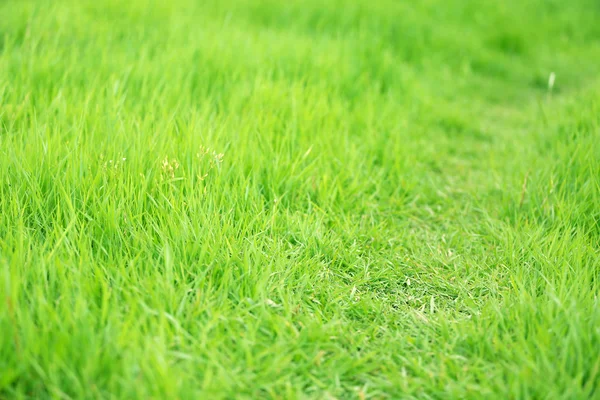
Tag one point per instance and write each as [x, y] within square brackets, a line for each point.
[361, 199]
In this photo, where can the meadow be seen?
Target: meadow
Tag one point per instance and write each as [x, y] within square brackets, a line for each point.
[328, 199]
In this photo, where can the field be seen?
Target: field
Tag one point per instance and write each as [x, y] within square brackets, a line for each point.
[363, 199]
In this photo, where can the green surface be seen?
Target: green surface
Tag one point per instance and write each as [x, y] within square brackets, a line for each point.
[406, 205]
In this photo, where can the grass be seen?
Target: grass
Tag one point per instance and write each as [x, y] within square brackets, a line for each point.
[304, 199]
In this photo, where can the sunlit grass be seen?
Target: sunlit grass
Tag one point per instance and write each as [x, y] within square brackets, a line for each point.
[304, 199]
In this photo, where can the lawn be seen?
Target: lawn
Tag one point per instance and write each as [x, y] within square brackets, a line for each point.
[368, 199]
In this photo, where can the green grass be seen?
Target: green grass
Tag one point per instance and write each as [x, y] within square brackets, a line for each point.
[404, 207]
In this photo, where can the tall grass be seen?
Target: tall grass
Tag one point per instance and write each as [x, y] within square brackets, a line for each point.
[303, 199]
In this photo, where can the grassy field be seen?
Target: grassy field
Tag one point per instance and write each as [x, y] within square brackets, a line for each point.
[362, 199]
